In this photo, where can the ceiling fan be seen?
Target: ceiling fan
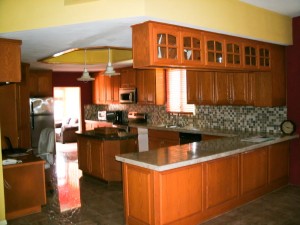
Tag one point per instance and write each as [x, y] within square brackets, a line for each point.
[85, 77]
[109, 68]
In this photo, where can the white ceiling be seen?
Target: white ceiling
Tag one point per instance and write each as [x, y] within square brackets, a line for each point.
[289, 8]
[41, 43]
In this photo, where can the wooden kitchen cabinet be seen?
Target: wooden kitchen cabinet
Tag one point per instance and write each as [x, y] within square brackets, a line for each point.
[250, 55]
[40, 83]
[270, 86]
[278, 163]
[200, 87]
[206, 137]
[14, 117]
[97, 157]
[231, 88]
[264, 56]
[128, 78]
[214, 50]
[25, 187]
[157, 44]
[151, 86]
[106, 89]
[112, 85]
[90, 156]
[221, 181]
[233, 53]
[98, 89]
[162, 138]
[254, 170]
[10, 63]
[191, 47]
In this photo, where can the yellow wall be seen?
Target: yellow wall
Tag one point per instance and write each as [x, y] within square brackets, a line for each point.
[226, 16]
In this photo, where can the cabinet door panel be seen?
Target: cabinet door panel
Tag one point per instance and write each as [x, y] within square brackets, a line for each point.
[239, 89]
[96, 158]
[192, 86]
[192, 48]
[10, 63]
[254, 166]
[279, 161]
[166, 40]
[206, 80]
[83, 147]
[222, 91]
[221, 180]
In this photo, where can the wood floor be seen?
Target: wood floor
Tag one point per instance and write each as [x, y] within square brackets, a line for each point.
[81, 200]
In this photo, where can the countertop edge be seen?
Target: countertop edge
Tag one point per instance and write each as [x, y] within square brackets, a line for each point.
[205, 158]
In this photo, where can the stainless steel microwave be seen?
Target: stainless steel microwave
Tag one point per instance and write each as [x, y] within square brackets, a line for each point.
[127, 95]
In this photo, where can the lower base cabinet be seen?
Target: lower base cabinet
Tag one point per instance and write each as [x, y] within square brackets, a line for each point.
[97, 157]
[193, 194]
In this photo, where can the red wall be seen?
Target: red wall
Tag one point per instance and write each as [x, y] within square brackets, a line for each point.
[69, 79]
[293, 98]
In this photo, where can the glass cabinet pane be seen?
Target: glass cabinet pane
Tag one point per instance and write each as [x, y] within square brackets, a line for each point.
[161, 52]
[172, 40]
[172, 53]
[218, 46]
[196, 43]
[211, 45]
[187, 42]
[197, 55]
[161, 39]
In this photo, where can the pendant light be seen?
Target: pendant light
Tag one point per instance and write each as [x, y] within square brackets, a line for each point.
[85, 77]
[109, 68]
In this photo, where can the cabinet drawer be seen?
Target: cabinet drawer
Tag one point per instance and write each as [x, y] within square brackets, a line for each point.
[163, 134]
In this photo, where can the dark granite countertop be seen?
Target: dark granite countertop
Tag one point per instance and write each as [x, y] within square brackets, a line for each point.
[118, 136]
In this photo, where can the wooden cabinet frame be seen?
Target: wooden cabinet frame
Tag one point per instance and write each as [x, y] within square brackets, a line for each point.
[195, 193]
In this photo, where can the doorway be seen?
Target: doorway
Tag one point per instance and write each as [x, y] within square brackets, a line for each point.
[67, 114]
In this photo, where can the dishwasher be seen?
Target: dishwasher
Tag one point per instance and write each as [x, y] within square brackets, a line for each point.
[185, 138]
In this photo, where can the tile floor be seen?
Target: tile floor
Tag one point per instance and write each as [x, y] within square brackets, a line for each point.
[86, 201]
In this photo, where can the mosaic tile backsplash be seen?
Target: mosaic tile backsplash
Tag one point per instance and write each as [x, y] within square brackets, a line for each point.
[237, 118]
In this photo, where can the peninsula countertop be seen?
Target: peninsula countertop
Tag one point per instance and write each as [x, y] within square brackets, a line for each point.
[188, 154]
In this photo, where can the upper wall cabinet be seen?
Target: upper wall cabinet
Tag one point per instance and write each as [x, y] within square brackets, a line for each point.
[128, 77]
[106, 89]
[10, 63]
[151, 86]
[214, 50]
[157, 44]
[40, 83]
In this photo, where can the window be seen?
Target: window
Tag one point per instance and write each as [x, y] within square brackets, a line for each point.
[176, 92]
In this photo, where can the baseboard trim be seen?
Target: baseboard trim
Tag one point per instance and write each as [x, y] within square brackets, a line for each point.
[3, 222]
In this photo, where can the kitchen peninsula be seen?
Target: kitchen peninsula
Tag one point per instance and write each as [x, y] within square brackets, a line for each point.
[97, 149]
[188, 184]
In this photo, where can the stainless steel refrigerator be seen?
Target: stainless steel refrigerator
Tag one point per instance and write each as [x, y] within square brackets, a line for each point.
[41, 116]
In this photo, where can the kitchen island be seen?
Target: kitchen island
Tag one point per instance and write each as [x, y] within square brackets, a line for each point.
[96, 153]
[188, 184]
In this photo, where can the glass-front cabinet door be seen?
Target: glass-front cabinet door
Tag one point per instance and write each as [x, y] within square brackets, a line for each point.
[250, 56]
[192, 50]
[264, 57]
[233, 54]
[166, 45]
[214, 50]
